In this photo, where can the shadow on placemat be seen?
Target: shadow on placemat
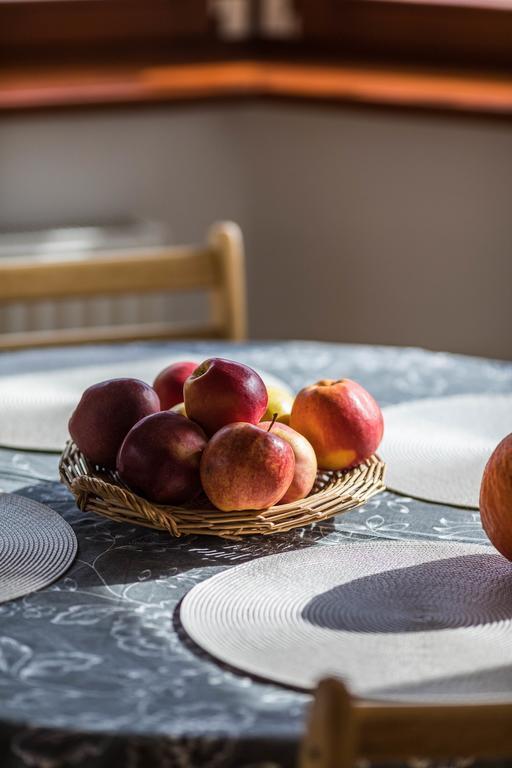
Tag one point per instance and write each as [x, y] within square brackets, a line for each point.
[464, 591]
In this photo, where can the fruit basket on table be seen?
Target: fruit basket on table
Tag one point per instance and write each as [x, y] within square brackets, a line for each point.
[101, 491]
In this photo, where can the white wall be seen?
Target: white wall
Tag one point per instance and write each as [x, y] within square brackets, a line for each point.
[180, 166]
[390, 229]
[359, 226]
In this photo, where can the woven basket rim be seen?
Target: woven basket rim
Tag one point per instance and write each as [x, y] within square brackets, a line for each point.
[100, 491]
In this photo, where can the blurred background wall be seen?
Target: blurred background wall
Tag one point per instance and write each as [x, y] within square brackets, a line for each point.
[360, 226]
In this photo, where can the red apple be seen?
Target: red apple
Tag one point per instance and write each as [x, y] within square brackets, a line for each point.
[105, 414]
[169, 383]
[221, 392]
[159, 458]
[341, 420]
[305, 461]
[245, 467]
[496, 498]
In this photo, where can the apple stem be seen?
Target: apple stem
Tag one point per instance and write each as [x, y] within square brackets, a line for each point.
[274, 418]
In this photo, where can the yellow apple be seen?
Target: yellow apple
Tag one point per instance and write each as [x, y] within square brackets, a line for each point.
[179, 408]
[280, 401]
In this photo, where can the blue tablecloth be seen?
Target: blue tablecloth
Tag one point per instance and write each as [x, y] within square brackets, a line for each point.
[96, 671]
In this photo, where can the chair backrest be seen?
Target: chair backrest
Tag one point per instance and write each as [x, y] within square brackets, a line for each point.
[342, 729]
[217, 268]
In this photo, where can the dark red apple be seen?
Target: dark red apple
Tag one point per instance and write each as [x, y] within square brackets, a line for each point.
[246, 467]
[169, 383]
[159, 458]
[106, 413]
[221, 392]
[305, 461]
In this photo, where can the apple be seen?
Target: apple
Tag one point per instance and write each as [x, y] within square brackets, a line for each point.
[496, 498]
[340, 419]
[246, 467]
[280, 401]
[221, 392]
[160, 456]
[105, 414]
[179, 408]
[305, 461]
[169, 383]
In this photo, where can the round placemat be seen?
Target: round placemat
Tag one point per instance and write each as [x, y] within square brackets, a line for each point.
[36, 406]
[436, 449]
[396, 620]
[36, 546]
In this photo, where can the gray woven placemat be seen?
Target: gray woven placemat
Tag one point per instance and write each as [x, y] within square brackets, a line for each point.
[36, 546]
[397, 620]
[436, 448]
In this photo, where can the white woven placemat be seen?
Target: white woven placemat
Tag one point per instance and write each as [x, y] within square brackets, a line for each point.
[396, 620]
[436, 449]
[35, 408]
[36, 546]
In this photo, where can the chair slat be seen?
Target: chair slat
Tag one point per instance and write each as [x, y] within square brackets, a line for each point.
[443, 731]
[103, 335]
[177, 270]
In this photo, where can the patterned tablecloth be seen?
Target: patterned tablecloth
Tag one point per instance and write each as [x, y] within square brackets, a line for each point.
[96, 671]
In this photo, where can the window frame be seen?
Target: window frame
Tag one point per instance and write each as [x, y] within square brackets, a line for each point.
[411, 32]
[95, 28]
[434, 32]
[411, 54]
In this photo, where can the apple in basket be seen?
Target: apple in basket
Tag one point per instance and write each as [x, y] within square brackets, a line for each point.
[246, 467]
[280, 401]
[169, 383]
[341, 420]
[496, 497]
[305, 461]
[159, 458]
[105, 414]
[221, 392]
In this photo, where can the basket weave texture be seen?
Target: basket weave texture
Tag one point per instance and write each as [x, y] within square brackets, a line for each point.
[101, 491]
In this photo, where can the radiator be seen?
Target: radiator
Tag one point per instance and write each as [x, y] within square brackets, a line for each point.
[70, 242]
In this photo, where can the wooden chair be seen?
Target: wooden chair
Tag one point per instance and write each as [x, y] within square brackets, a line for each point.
[342, 729]
[217, 267]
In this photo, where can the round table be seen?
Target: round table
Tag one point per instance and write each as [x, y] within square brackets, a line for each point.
[95, 669]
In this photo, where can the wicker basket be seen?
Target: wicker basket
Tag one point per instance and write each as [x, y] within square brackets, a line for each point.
[101, 491]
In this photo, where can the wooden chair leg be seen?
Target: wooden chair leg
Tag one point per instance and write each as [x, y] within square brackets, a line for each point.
[229, 300]
[331, 738]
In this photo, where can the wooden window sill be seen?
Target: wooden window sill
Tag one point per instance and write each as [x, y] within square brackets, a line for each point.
[454, 92]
